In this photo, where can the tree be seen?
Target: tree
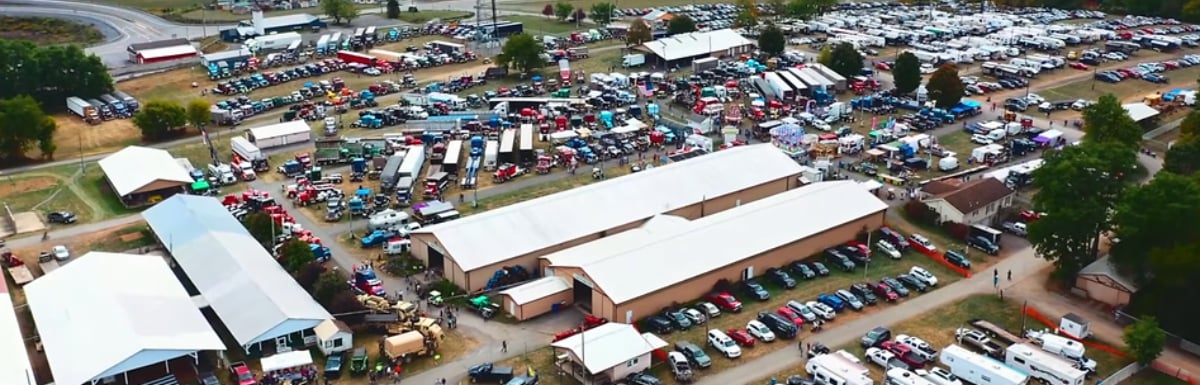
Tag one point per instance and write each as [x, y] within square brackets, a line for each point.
[261, 227]
[295, 254]
[771, 40]
[800, 9]
[341, 10]
[778, 7]
[639, 32]
[22, 124]
[1189, 128]
[198, 114]
[602, 13]
[393, 9]
[843, 59]
[329, 285]
[579, 15]
[1145, 340]
[907, 73]
[946, 89]
[1107, 121]
[562, 10]
[522, 52]
[747, 15]
[346, 305]
[826, 55]
[681, 24]
[1183, 158]
[50, 74]
[1150, 224]
[548, 10]
[1078, 188]
[308, 276]
[160, 119]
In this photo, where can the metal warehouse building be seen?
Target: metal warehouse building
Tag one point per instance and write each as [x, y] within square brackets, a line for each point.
[471, 250]
[671, 259]
[683, 48]
[143, 176]
[160, 51]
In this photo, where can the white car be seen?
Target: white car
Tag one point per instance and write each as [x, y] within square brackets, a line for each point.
[710, 310]
[722, 343]
[880, 357]
[887, 249]
[60, 252]
[822, 310]
[1032, 99]
[695, 316]
[760, 331]
[821, 125]
[923, 275]
[407, 229]
[924, 242]
[927, 68]
[939, 376]
[802, 310]
[981, 139]
[918, 346]
[372, 72]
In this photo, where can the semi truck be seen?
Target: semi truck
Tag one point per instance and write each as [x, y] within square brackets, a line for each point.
[275, 42]
[131, 104]
[248, 152]
[391, 172]
[979, 370]
[280, 134]
[389, 56]
[83, 109]
[414, 160]
[355, 57]
[117, 106]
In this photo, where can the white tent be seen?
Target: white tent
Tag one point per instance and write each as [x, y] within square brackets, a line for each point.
[135, 167]
[287, 360]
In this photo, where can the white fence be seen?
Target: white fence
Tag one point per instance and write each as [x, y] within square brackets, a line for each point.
[1122, 375]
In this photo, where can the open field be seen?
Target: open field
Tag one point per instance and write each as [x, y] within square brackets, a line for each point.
[43, 193]
[430, 14]
[45, 30]
[1129, 90]
[582, 177]
[937, 327]
[1150, 376]
[116, 239]
[541, 361]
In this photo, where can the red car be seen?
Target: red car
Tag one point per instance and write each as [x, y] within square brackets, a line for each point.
[905, 354]
[242, 373]
[1030, 215]
[884, 291]
[740, 336]
[725, 301]
[1078, 66]
[787, 312]
[882, 66]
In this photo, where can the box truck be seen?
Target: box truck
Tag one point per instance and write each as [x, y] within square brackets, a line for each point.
[83, 109]
[248, 152]
[279, 135]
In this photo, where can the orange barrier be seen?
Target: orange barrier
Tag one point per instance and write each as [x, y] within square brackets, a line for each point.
[1030, 311]
[937, 257]
[1174, 372]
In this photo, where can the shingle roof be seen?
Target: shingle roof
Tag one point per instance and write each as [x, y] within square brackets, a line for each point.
[939, 187]
[976, 194]
[1104, 266]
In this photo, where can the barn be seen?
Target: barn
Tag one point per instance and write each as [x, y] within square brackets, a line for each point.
[1103, 282]
[143, 176]
[473, 250]
[161, 51]
[632, 275]
[681, 49]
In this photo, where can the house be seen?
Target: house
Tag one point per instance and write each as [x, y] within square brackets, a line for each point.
[1102, 282]
[333, 337]
[967, 202]
[606, 353]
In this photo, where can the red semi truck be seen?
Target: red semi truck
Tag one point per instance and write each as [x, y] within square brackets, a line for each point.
[355, 57]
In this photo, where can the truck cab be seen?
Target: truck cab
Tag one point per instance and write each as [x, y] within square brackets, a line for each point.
[221, 174]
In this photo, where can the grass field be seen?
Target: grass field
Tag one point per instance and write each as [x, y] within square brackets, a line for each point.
[43, 193]
[427, 15]
[1150, 376]
[541, 361]
[582, 177]
[1128, 90]
[44, 30]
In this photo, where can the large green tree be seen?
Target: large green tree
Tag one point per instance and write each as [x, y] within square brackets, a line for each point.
[340, 10]
[907, 73]
[747, 14]
[602, 13]
[639, 32]
[1183, 158]
[1145, 340]
[1107, 121]
[261, 227]
[843, 59]
[22, 125]
[1078, 189]
[771, 40]
[1154, 223]
[160, 119]
[393, 9]
[801, 9]
[198, 114]
[562, 10]
[681, 24]
[945, 87]
[295, 254]
[328, 286]
[50, 74]
[1189, 128]
[778, 8]
[522, 52]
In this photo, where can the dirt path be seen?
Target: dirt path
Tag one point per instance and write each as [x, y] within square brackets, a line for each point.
[71, 184]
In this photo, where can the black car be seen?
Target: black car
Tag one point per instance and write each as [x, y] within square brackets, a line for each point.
[912, 282]
[876, 336]
[803, 270]
[895, 285]
[64, 217]
[819, 268]
[983, 244]
[642, 378]
[658, 325]
[756, 290]
[490, 373]
[863, 291]
[208, 378]
[781, 278]
[783, 327]
[857, 255]
[836, 258]
[678, 319]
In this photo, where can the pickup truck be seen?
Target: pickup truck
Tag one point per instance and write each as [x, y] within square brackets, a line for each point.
[979, 341]
[242, 374]
[490, 372]
[1017, 228]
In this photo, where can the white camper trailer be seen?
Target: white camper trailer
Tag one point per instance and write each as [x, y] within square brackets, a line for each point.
[1043, 365]
[979, 370]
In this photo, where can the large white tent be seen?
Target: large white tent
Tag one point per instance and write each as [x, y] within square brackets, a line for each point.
[105, 314]
[16, 369]
[252, 295]
[135, 168]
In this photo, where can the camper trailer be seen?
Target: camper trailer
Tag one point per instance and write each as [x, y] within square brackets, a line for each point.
[837, 369]
[1043, 365]
[979, 370]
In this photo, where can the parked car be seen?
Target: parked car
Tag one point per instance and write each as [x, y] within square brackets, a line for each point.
[822, 310]
[788, 313]
[678, 319]
[803, 311]
[983, 244]
[658, 324]
[918, 346]
[710, 311]
[876, 336]
[895, 285]
[836, 258]
[850, 299]
[893, 237]
[912, 283]
[781, 278]
[694, 354]
[723, 344]
[803, 270]
[1078, 66]
[883, 358]
[924, 275]
[904, 353]
[863, 292]
[755, 290]
[695, 316]
[832, 301]
[939, 376]
[884, 291]
[642, 378]
[957, 259]
[760, 331]
[819, 268]
[725, 301]
[64, 217]
[887, 249]
[921, 241]
[783, 327]
[741, 336]
[490, 373]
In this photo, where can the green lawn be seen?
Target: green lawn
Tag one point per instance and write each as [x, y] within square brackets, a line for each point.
[1129, 88]
[43, 194]
[535, 25]
[427, 15]
[95, 186]
[1152, 377]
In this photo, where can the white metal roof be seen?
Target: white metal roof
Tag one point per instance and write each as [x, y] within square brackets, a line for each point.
[135, 167]
[280, 129]
[499, 235]
[696, 43]
[1140, 111]
[330, 328]
[16, 369]
[609, 345]
[287, 20]
[726, 237]
[168, 51]
[538, 289]
[252, 295]
[104, 314]
[657, 227]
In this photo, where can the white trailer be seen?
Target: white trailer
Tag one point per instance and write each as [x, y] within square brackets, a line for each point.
[414, 160]
[1043, 365]
[490, 152]
[279, 41]
[979, 370]
[1070, 349]
[280, 134]
[901, 376]
[248, 152]
[836, 369]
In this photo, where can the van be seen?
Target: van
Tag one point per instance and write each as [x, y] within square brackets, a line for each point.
[983, 244]
[997, 134]
[723, 344]
[782, 327]
[894, 237]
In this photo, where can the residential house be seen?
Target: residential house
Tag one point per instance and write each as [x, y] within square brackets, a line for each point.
[967, 202]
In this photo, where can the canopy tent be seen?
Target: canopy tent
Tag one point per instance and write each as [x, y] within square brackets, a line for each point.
[287, 360]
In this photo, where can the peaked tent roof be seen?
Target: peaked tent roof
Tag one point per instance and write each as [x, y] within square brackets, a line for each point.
[609, 345]
[232, 271]
[696, 43]
[135, 167]
[104, 314]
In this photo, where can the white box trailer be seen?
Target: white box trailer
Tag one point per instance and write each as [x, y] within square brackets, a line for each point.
[836, 369]
[490, 152]
[248, 152]
[979, 370]
[414, 160]
[279, 41]
[279, 135]
[901, 376]
[1043, 365]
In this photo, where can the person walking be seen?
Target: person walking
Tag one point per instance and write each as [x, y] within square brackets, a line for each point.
[504, 346]
[1010, 275]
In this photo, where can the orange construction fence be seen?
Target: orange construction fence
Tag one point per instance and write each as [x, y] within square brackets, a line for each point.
[1030, 311]
[1174, 372]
